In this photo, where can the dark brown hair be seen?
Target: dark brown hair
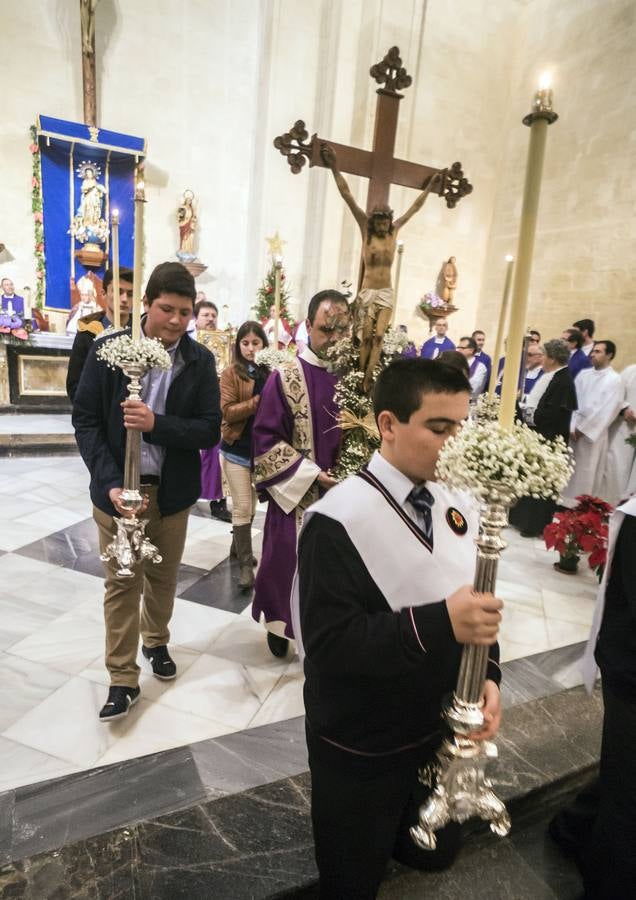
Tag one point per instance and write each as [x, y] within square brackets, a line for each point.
[240, 363]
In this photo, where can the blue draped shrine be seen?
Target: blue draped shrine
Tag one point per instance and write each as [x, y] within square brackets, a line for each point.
[67, 150]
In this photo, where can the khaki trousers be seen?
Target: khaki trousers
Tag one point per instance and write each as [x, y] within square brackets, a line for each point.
[158, 582]
[242, 491]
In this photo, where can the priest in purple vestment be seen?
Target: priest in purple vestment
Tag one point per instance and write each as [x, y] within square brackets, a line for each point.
[432, 348]
[295, 442]
[9, 301]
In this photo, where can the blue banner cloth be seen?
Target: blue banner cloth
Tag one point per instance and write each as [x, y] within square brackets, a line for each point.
[73, 154]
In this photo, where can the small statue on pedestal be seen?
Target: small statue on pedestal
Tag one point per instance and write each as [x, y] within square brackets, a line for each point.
[187, 221]
[447, 281]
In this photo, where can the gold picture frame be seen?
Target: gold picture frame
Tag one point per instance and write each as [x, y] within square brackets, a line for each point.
[219, 343]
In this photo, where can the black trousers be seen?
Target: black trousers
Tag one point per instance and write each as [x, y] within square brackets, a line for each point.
[362, 808]
[610, 867]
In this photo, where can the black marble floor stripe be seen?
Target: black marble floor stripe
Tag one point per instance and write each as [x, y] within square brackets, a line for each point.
[219, 588]
[77, 547]
[48, 813]
[257, 843]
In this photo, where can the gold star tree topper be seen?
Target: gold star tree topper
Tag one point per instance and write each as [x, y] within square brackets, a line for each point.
[276, 244]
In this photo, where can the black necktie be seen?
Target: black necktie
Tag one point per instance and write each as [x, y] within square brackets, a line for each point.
[422, 500]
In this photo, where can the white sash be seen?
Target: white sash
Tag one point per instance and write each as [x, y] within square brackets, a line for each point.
[396, 555]
[589, 666]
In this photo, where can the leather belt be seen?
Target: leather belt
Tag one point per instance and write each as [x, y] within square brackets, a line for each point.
[149, 479]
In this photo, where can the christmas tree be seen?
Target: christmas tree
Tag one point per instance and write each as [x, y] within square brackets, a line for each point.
[265, 296]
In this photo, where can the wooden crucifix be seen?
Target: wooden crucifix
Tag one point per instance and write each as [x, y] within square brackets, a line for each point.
[89, 80]
[374, 304]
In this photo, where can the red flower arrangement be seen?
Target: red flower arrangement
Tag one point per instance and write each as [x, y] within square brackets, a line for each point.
[583, 529]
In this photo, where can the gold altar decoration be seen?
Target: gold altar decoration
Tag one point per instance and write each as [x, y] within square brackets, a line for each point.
[219, 343]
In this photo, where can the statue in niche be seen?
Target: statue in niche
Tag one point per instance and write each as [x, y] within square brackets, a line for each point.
[89, 227]
[187, 219]
[90, 208]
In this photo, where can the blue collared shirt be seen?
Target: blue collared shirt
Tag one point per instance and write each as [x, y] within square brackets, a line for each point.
[154, 390]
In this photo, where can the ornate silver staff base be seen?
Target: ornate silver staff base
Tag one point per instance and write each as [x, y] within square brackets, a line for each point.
[130, 546]
[461, 789]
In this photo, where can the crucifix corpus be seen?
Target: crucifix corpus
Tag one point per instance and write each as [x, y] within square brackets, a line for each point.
[374, 303]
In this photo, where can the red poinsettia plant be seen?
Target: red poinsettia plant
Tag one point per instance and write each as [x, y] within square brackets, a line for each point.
[583, 529]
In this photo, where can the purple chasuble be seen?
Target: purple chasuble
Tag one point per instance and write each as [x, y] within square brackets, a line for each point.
[431, 349]
[211, 482]
[17, 304]
[277, 458]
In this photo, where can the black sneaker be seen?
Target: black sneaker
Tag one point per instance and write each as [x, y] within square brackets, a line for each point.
[277, 645]
[219, 510]
[162, 663]
[120, 699]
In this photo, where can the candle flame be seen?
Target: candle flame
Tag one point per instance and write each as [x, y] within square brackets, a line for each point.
[509, 257]
[115, 216]
[545, 82]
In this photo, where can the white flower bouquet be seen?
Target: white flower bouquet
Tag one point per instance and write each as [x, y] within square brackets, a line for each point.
[122, 351]
[487, 408]
[500, 465]
[394, 343]
[270, 357]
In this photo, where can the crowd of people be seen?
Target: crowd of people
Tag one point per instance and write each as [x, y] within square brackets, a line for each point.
[568, 387]
[378, 614]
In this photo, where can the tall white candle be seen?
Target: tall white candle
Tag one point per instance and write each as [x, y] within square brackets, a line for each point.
[538, 120]
[139, 230]
[278, 268]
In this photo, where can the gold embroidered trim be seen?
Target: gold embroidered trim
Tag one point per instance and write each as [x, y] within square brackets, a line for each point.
[278, 459]
[295, 389]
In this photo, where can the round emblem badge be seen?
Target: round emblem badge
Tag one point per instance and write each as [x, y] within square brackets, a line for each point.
[456, 521]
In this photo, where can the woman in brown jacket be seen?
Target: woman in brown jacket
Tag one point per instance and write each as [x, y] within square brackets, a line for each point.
[241, 386]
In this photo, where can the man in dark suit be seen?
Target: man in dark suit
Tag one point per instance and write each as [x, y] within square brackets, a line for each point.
[178, 416]
[548, 409]
[578, 357]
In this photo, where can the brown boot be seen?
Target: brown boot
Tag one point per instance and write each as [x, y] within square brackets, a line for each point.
[243, 543]
[234, 554]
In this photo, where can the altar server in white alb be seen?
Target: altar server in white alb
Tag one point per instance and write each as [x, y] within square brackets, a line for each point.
[382, 603]
[599, 393]
[620, 472]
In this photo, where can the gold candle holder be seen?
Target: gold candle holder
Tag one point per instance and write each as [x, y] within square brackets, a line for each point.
[398, 269]
[541, 115]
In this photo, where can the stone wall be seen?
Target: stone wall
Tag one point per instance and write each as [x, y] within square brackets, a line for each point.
[209, 83]
[584, 263]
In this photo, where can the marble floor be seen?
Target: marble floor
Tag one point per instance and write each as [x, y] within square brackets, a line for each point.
[51, 633]
[33, 423]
